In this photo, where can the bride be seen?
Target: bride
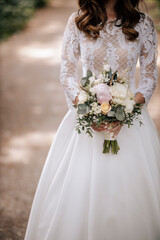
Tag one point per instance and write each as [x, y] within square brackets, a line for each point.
[84, 194]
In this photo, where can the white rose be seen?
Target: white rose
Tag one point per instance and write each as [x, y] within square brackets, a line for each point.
[97, 110]
[118, 101]
[93, 110]
[106, 67]
[83, 96]
[129, 106]
[97, 81]
[119, 90]
[92, 90]
[128, 100]
[94, 104]
[130, 93]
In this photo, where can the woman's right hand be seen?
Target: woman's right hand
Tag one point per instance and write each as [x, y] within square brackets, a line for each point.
[100, 128]
[113, 127]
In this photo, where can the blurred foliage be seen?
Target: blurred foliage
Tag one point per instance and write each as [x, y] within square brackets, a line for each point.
[158, 2]
[40, 3]
[153, 7]
[14, 15]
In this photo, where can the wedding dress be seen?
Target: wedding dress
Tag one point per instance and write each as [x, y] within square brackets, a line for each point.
[82, 193]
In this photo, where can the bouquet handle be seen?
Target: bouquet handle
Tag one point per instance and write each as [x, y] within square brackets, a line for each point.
[110, 144]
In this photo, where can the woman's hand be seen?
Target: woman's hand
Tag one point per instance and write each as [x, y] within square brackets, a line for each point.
[114, 127]
[100, 128]
[75, 102]
[139, 98]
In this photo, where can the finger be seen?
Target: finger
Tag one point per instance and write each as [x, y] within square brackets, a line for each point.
[116, 133]
[101, 125]
[112, 125]
[114, 128]
[99, 129]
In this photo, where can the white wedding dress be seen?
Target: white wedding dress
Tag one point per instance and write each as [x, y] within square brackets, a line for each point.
[84, 194]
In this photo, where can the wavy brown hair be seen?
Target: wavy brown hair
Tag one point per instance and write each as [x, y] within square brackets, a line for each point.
[92, 16]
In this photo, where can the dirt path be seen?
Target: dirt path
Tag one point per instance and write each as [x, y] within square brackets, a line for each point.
[32, 106]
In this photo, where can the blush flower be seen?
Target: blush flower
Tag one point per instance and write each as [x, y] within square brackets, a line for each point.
[103, 92]
[105, 107]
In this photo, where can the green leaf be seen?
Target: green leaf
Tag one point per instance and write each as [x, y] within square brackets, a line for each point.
[110, 73]
[119, 113]
[137, 104]
[83, 108]
[115, 76]
[81, 112]
[111, 114]
[84, 81]
[90, 134]
[89, 73]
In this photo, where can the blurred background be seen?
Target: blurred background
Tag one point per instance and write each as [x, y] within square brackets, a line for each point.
[32, 102]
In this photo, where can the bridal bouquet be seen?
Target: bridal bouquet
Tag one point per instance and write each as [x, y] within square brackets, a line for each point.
[105, 98]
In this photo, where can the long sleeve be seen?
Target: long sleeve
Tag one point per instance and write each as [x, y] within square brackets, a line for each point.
[69, 60]
[148, 57]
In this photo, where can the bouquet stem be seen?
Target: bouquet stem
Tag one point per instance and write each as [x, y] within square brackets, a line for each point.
[110, 146]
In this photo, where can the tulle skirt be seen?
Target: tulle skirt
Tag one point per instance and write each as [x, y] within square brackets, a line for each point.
[84, 194]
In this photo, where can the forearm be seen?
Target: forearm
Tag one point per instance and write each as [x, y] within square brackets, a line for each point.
[139, 98]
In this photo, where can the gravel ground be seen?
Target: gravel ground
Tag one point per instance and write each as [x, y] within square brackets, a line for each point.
[32, 106]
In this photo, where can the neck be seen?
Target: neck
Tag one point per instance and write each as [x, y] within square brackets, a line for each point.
[110, 9]
[111, 3]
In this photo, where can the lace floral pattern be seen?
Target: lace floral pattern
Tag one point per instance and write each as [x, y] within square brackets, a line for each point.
[113, 47]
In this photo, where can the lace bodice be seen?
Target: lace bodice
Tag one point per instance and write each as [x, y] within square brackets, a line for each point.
[113, 47]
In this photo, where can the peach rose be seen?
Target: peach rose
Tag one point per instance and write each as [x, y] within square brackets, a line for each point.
[105, 107]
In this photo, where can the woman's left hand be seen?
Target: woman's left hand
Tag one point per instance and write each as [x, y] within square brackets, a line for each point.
[76, 100]
[114, 127]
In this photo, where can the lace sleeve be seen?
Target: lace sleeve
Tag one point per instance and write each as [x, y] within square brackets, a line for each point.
[69, 60]
[148, 56]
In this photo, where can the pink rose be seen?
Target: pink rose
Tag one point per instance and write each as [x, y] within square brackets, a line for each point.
[103, 92]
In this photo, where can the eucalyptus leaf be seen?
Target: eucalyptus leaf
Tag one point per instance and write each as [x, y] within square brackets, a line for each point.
[119, 113]
[111, 114]
[83, 109]
[81, 112]
[89, 73]
[119, 108]
[110, 73]
[115, 76]
[84, 81]
[82, 106]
